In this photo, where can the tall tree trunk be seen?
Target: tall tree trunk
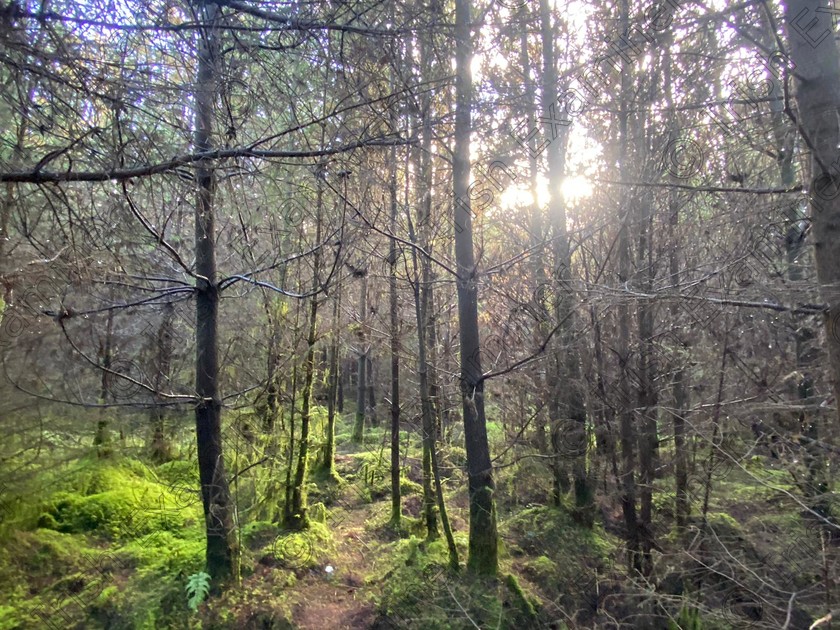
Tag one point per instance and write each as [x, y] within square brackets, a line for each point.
[483, 538]
[394, 319]
[333, 382]
[361, 385]
[426, 409]
[299, 519]
[647, 398]
[420, 159]
[567, 388]
[605, 436]
[426, 414]
[435, 425]
[627, 402]
[370, 388]
[795, 222]
[291, 469]
[222, 544]
[342, 377]
[813, 51]
[679, 392]
[287, 504]
[102, 438]
[160, 448]
[269, 411]
[542, 328]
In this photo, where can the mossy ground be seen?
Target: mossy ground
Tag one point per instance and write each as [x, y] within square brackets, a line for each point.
[108, 543]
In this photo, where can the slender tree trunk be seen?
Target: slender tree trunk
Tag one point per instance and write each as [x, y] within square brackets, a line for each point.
[803, 336]
[421, 162]
[606, 436]
[678, 384]
[393, 310]
[426, 410]
[160, 449]
[679, 391]
[269, 413]
[427, 416]
[332, 388]
[371, 391]
[570, 424]
[542, 328]
[299, 519]
[291, 468]
[444, 515]
[627, 401]
[435, 425]
[102, 438]
[222, 544]
[342, 377]
[483, 538]
[288, 515]
[361, 385]
[647, 399]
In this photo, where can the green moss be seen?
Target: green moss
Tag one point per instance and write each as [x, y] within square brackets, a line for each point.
[258, 534]
[120, 500]
[318, 513]
[520, 600]
[156, 538]
[723, 521]
[541, 569]
[118, 514]
[7, 617]
[165, 552]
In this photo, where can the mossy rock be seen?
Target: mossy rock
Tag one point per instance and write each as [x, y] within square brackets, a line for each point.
[120, 500]
[541, 569]
[117, 514]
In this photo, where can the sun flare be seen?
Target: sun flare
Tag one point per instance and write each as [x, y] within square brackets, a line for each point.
[573, 189]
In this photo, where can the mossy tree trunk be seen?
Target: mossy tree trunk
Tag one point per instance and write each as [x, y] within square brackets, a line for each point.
[299, 519]
[333, 383]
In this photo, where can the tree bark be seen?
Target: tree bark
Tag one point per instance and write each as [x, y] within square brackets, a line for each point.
[569, 430]
[361, 385]
[160, 448]
[626, 402]
[393, 311]
[102, 438]
[222, 545]
[333, 383]
[542, 328]
[299, 519]
[814, 55]
[679, 392]
[483, 538]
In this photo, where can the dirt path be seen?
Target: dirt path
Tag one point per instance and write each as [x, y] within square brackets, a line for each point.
[339, 601]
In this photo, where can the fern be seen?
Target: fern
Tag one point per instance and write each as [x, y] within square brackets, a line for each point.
[198, 587]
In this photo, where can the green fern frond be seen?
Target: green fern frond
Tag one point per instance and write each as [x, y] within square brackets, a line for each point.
[198, 588]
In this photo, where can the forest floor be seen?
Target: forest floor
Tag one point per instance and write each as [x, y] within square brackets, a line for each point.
[94, 547]
[339, 600]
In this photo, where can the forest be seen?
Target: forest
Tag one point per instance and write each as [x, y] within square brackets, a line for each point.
[419, 314]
